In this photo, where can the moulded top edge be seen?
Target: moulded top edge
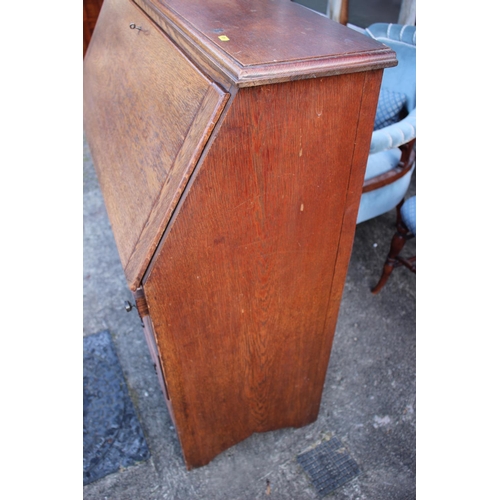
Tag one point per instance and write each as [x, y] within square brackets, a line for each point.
[257, 41]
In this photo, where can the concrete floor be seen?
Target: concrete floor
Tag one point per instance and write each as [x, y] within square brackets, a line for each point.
[368, 400]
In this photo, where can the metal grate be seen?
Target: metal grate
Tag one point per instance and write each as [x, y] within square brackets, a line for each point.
[329, 466]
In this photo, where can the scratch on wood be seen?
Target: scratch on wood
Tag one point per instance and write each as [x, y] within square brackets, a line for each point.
[285, 252]
[248, 201]
[262, 241]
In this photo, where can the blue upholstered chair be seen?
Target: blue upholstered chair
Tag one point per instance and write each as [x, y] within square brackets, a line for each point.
[392, 152]
[406, 228]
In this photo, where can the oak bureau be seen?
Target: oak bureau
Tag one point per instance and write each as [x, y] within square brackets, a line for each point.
[230, 139]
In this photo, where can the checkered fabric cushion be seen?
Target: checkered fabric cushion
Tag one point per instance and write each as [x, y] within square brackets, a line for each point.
[409, 214]
[390, 105]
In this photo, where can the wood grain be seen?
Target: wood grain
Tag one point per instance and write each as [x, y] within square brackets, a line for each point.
[148, 113]
[240, 288]
[91, 9]
[366, 118]
[203, 123]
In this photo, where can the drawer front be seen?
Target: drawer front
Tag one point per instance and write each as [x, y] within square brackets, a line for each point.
[148, 113]
[143, 311]
[155, 357]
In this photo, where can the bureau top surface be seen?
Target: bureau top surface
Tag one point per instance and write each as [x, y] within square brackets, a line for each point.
[264, 39]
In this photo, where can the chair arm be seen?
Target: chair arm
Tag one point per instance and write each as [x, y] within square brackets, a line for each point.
[395, 135]
[401, 169]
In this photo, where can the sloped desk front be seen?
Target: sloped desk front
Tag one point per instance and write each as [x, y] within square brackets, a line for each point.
[230, 140]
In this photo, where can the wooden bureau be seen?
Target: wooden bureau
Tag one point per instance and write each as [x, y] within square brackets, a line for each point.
[230, 139]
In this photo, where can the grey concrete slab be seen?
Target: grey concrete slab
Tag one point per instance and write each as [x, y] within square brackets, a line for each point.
[113, 438]
[368, 401]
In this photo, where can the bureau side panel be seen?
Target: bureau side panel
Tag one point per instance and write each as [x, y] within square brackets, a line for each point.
[239, 289]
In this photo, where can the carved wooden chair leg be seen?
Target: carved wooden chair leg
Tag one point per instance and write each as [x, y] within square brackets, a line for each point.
[398, 242]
